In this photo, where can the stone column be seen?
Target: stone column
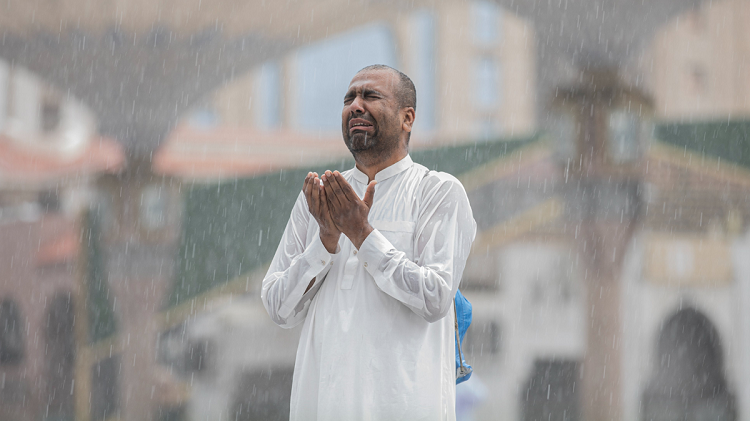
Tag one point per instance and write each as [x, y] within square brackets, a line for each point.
[601, 388]
[603, 200]
[140, 248]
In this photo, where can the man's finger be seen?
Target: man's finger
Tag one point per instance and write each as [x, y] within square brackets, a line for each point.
[370, 194]
[306, 191]
[346, 188]
[333, 200]
[304, 183]
[336, 188]
[325, 210]
[315, 193]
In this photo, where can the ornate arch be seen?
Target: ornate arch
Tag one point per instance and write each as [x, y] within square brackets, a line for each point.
[688, 379]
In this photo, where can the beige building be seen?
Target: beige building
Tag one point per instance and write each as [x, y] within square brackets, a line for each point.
[472, 62]
[698, 65]
[527, 290]
[680, 272]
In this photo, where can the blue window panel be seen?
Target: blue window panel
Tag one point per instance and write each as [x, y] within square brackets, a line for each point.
[325, 69]
[487, 90]
[204, 118]
[269, 94]
[486, 18]
[423, 49]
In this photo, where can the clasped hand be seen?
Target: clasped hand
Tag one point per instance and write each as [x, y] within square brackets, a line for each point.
[338, 209]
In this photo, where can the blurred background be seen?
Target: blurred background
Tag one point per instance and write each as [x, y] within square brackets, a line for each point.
[150, 153]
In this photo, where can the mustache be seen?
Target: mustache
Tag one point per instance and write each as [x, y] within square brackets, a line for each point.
[364, 116]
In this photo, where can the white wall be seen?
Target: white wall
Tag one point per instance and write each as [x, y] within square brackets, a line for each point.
[648, 306]
[244, 339]
[539, 320]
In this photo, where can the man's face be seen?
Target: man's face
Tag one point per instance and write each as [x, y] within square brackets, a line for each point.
[370, 120]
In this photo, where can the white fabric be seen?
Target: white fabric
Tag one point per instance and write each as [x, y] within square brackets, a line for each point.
[376, 343]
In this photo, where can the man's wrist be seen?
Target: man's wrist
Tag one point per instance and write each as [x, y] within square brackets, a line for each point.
[330, 241]
[359, 239]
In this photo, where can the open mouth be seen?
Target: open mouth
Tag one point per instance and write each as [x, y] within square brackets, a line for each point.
[360, 124]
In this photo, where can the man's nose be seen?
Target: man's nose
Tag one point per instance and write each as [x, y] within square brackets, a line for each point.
[357, 105]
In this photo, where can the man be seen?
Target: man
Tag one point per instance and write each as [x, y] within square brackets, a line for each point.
[377, 302]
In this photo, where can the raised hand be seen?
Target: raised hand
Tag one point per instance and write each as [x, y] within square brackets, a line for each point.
[348, 211]
[317, 204]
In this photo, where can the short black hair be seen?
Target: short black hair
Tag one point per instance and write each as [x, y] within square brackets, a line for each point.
[406, 93]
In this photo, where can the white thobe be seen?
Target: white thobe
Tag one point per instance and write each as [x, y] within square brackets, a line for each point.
[378, 336]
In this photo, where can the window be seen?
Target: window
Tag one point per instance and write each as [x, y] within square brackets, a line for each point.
[487, 86]
[60, 356]
[550, 392]
[424, 75]
[199, 357]
[269, 93]
[11, 336]
[485, 16]
[103, 211]
[689, 374]
[262, 394]
[564, 130]
[49, 201]
[49, 113]
[153, 207]
[105, 388]
[488, 128]
[482, 338]
[204, 117]
[323, 71]
[624, 136]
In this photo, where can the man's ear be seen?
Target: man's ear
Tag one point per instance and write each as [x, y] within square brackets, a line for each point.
[407, 121]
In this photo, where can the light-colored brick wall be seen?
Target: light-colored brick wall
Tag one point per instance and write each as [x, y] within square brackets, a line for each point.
[698, 65]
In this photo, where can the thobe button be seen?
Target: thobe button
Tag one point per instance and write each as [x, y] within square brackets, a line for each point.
[365, 264]
[331, 262]
[323, 261]
[355, 252]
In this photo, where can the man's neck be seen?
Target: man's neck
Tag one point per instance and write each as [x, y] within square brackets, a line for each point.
[372, 167]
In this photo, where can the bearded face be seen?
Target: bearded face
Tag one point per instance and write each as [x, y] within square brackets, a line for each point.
[363, 133]
[371, 124]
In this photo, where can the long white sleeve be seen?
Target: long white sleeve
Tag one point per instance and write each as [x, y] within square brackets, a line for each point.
[443, 236]
[300, 258]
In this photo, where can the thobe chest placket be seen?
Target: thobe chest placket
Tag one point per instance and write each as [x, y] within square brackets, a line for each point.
[350, 267]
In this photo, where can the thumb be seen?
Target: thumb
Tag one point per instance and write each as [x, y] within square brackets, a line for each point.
[370, 193]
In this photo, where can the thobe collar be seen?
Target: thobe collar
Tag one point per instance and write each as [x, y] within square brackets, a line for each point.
[388, 172]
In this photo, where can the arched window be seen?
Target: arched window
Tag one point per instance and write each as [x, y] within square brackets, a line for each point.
[688, 380]
[60, 357]
[263, 395]
[11, 337]
[550, 392]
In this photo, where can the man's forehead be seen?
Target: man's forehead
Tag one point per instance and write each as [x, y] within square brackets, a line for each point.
[377, 79]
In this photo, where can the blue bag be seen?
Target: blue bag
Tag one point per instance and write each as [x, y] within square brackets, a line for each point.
[462, 313]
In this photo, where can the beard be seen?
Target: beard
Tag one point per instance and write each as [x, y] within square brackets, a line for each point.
[360, 141]
[371, 147]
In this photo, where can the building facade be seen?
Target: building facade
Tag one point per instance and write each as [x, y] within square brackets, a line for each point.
[472, 62]
[697, 64]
